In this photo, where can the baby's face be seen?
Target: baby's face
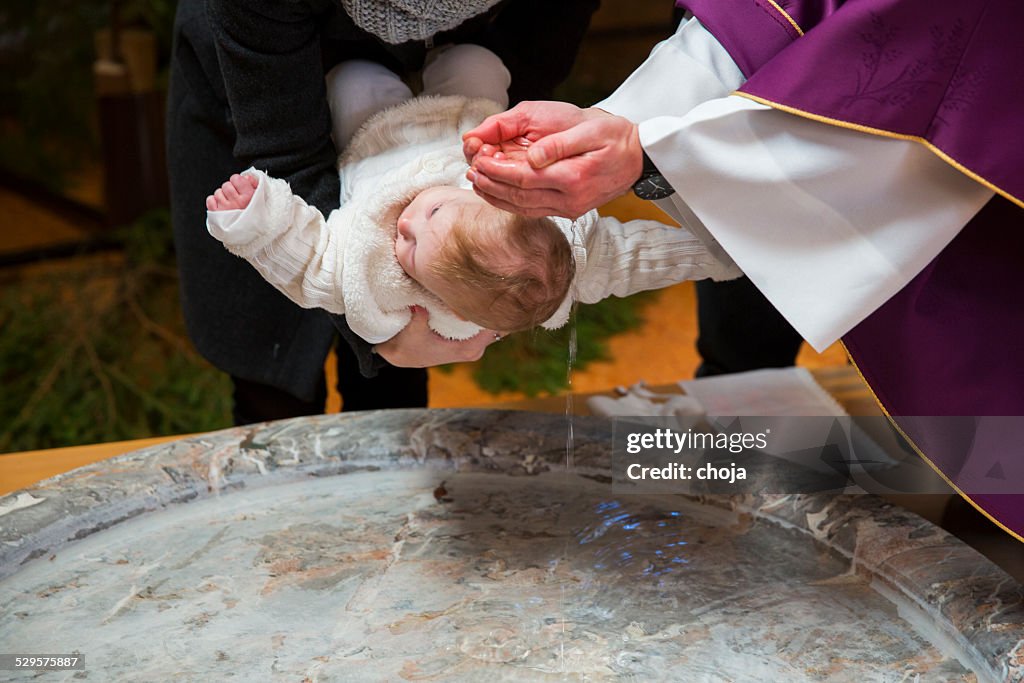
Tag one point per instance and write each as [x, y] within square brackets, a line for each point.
[424, 226]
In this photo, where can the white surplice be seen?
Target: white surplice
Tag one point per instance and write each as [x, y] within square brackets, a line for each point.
[827, 222]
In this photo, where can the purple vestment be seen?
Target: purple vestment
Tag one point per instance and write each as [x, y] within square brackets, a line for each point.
[946, 353]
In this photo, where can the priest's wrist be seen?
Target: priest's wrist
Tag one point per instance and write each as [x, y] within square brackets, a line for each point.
[652, 185]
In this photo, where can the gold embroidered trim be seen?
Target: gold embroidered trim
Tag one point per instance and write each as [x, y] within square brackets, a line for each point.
[885, 133]
[922, 455]
[786, 15]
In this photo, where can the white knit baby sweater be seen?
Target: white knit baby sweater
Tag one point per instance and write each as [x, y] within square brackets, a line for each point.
[347, 264]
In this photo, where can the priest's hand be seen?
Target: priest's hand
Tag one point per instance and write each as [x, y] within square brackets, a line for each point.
[417, 346]
[552, 158]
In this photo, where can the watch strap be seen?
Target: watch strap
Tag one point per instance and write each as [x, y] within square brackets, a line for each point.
[651, 184]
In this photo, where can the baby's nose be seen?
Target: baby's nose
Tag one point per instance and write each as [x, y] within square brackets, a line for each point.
[404, 225]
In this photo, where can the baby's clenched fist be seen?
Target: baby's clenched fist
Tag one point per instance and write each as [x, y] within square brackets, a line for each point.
[234, 194]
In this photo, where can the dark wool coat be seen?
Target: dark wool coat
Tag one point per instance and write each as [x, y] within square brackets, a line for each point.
[247, 89]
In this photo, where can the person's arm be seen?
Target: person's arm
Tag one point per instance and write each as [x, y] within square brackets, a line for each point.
[269, 54]
[287, 241]
[827, 222]
[638, 255]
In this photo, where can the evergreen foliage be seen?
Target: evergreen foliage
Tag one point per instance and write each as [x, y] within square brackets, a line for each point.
[537, 361]
[97, 351]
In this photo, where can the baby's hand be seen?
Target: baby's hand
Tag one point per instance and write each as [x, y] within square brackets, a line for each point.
[418, 346]
[514, 149]
[234, 194]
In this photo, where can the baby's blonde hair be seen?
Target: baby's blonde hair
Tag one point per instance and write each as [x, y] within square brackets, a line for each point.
[511, 272]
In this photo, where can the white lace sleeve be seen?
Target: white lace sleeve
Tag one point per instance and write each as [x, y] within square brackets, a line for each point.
[287, 241]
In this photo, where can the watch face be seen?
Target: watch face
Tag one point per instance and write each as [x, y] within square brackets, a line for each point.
[652, 187]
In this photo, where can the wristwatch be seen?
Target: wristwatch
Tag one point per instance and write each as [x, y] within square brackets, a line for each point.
[651, 184]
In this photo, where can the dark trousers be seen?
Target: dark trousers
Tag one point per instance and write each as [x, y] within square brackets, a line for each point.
[740, 330]
[392, 388]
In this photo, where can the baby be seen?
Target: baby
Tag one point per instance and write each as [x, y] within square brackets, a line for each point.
[495, 269]
[411, 232]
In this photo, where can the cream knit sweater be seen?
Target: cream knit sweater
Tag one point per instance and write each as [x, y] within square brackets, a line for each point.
[346, 264]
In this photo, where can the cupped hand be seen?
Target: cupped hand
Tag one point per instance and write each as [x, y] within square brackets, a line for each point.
[417, 346]
[520, 126]
[563, 172]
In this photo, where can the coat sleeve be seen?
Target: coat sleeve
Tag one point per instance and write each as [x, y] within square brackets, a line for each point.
[271, 63]
[827, 222]
[269, 54]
